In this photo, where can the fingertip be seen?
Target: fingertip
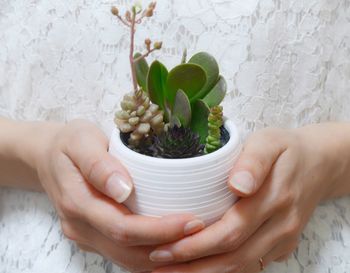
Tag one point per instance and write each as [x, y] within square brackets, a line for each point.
[118, 187]
[190, 223]
[242, 183]
[193, 227]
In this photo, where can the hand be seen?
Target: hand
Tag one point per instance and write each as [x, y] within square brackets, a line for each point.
[282, 175]
[86, 185]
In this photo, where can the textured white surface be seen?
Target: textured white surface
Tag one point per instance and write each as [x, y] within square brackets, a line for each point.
[287, 63]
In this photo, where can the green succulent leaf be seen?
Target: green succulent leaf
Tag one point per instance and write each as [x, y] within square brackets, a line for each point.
[182, 108]
[199, 122]
[174, 121]
[141, 71]
[217, 94]
[156, 80]
[211, 67]
[188, 77]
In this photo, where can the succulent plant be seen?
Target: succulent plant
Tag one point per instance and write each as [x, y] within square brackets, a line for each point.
[184, 98]
[138, 116]
[182, 90]
[177, 142]
[215, 122]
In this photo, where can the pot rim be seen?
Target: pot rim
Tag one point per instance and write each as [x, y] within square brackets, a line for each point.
[231, 146]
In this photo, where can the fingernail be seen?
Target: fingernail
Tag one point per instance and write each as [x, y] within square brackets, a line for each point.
[118, 188]
[193, 227]
[161, 256]
[243, 181]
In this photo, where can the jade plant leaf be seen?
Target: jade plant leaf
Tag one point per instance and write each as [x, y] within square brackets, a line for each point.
[199, 122]
[211, 67]
[141, 71]
[182, 108]
[217, 94]
[188, 77]
[156, 80]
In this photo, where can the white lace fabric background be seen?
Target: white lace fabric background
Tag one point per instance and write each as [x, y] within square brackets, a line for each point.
[287, 63]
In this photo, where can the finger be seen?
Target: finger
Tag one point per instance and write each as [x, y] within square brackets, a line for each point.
[86, 248]
[255, 162]
[134, 259]
[279, 253]
[265, 243]
[89, 239]
[284, 250]
[117, 223]
[245, 259]
[227, 234]
[88, 149]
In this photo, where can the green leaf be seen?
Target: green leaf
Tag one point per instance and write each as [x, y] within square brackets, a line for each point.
[217, 94]
[211, 67]
[182, 108]
[156, 80]
[199, 122]
[188, 77]
[174, 121]
[141, 71]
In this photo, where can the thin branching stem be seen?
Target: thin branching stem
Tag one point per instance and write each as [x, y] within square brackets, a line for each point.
[139, 21]
[123, 21]
[131, 56]
[144, 55]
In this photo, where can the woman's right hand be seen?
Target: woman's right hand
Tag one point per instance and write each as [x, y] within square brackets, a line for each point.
[86, 186]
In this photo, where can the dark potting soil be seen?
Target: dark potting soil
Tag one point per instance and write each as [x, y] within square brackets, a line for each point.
[225, 137]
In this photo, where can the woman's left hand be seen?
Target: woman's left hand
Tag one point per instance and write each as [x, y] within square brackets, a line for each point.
[282, 175]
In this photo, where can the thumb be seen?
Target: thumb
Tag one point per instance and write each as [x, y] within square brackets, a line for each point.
[260, 152]
[89, 152]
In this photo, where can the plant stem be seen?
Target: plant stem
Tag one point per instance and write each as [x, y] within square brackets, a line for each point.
[184, 56]
[123, 21]
[144, 55]
[131, 57]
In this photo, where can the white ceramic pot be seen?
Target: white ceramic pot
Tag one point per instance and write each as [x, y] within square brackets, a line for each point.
[192, 185]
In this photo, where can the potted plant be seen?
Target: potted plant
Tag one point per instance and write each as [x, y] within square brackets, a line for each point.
[171, 134]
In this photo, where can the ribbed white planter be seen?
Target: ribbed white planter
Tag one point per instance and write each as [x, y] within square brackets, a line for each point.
[193, 185]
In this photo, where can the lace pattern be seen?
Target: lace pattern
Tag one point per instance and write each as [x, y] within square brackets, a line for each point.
[286, 62]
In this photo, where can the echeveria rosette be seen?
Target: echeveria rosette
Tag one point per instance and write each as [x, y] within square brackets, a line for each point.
[177, 142]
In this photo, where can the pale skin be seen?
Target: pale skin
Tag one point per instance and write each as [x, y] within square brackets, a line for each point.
[71, 164]
[292, 171]
[282, 176]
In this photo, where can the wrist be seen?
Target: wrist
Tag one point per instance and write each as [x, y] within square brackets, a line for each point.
[328, 145]
[340, 145]
[33, 141]
[22, 147]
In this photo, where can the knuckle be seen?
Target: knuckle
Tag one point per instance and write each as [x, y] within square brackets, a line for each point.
[231, 239]
[285, 199]
[249, 161]
[68, 207]
[292, 228]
